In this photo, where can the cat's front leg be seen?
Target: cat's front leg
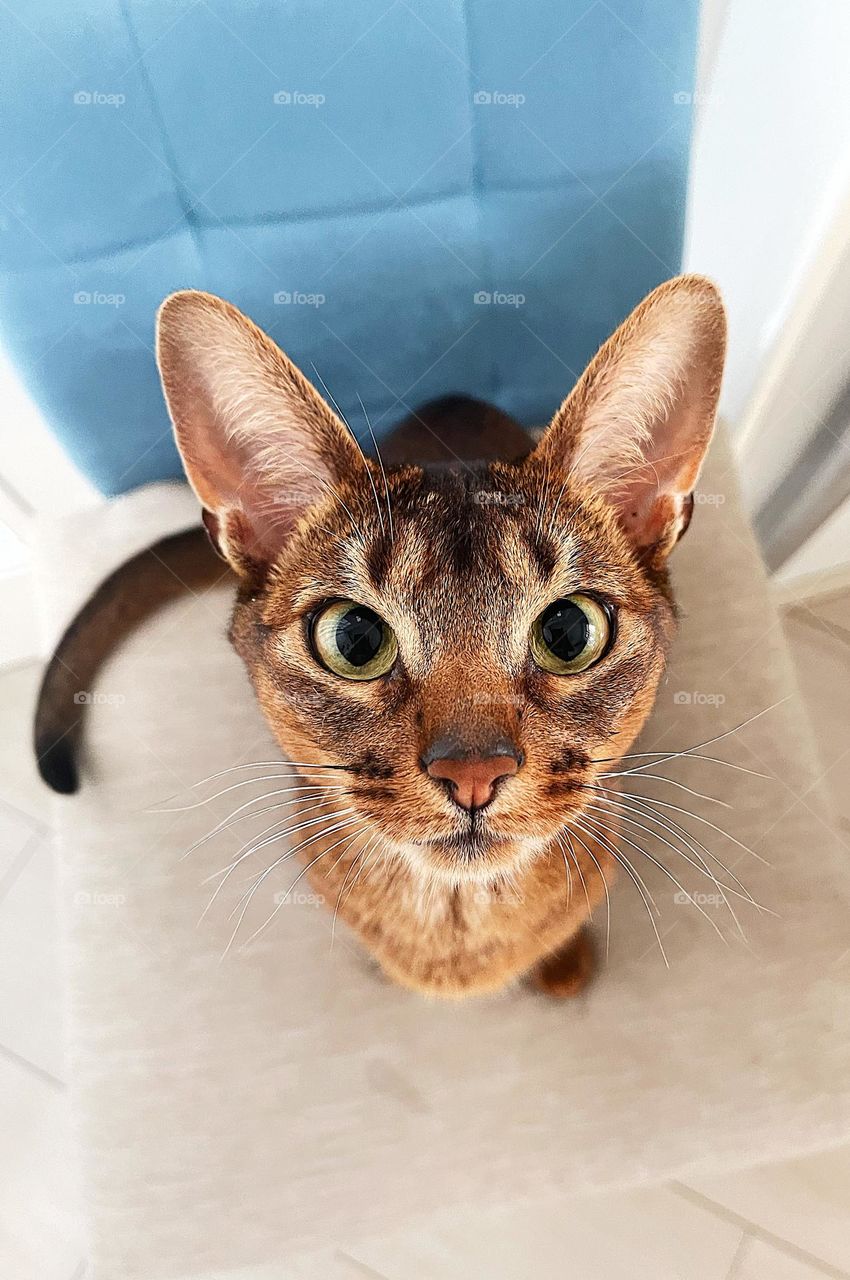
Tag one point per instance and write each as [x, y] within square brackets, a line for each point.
[566, 972]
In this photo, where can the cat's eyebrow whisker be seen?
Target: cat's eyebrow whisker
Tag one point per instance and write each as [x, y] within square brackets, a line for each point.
[383, 470]
[647, 898]
[667, 804]
[667, 872]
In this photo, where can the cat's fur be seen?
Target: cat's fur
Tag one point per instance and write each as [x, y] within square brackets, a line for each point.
[459, 558]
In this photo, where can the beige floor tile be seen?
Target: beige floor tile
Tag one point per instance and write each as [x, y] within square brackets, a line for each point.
[805, 1202]
[30, 991]
[40, 1231]
[761, 1261]
[647, 1235]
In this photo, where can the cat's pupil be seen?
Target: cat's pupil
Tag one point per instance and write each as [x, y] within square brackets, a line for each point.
[359, 636]
[565, 630]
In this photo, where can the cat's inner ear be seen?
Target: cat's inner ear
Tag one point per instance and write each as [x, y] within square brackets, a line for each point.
[258, 442]
[637, 425]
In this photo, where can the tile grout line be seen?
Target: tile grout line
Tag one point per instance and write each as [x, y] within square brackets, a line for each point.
[758, 1232]
[745, 1244]
[47, 1077]
[19, 863]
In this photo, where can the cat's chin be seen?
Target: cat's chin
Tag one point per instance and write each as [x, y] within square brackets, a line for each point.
[474, 857]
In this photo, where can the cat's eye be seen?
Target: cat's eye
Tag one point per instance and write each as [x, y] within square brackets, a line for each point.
[353, 641]
[571, 635]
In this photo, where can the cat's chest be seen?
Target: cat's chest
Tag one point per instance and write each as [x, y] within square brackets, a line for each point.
[451, 940]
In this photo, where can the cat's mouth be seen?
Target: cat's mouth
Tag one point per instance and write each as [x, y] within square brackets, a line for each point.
[471, 844]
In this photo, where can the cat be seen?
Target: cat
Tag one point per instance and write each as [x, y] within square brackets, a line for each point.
[452, 641]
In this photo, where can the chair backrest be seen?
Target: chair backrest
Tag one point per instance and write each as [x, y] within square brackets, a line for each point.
[413, 200]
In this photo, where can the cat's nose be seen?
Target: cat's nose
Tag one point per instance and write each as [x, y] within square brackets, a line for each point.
[471, 779]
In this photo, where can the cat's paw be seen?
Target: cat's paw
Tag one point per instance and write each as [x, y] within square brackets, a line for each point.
[567, 972]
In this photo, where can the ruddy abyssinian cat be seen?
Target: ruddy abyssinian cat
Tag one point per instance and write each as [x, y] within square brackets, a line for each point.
[452, 644]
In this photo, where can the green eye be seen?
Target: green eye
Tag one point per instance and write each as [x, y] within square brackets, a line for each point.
[570, 635]
[353, 642]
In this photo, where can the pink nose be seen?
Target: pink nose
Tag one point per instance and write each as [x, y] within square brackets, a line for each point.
[473, 782]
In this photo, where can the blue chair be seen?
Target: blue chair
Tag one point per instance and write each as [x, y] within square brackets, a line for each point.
[413, 200]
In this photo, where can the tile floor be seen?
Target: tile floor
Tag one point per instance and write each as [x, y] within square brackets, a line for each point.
[784, 1222]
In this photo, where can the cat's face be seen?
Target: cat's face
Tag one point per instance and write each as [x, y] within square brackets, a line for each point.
[461, 650]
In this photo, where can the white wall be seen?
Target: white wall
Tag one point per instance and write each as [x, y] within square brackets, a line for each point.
[771, 169]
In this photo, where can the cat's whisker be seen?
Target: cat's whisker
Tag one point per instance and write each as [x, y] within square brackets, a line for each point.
[348, 872]
[568, 871]
[620, 835]
[236, 786]
[245, 901]
[261, 876]
[257, 841]
[701, 866]
[657, 777]
[307, 793]
[680, 755]
[282, 763]
[258, 844]
[627, 815]
[303, 872]
[674, 755]
[580, 872]
[635, 805]
[647, 898]
[667, 804]
[607, 902]
[244, 811]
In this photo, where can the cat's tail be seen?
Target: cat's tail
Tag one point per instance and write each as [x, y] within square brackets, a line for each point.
[176, 564]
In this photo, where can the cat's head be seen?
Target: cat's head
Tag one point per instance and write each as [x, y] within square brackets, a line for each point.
[468, 647]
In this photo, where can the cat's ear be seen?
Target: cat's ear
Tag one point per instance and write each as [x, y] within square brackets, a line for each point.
[258, 442]
[637, 425]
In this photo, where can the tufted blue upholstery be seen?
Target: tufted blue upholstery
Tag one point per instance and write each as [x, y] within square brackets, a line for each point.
[396, 195]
